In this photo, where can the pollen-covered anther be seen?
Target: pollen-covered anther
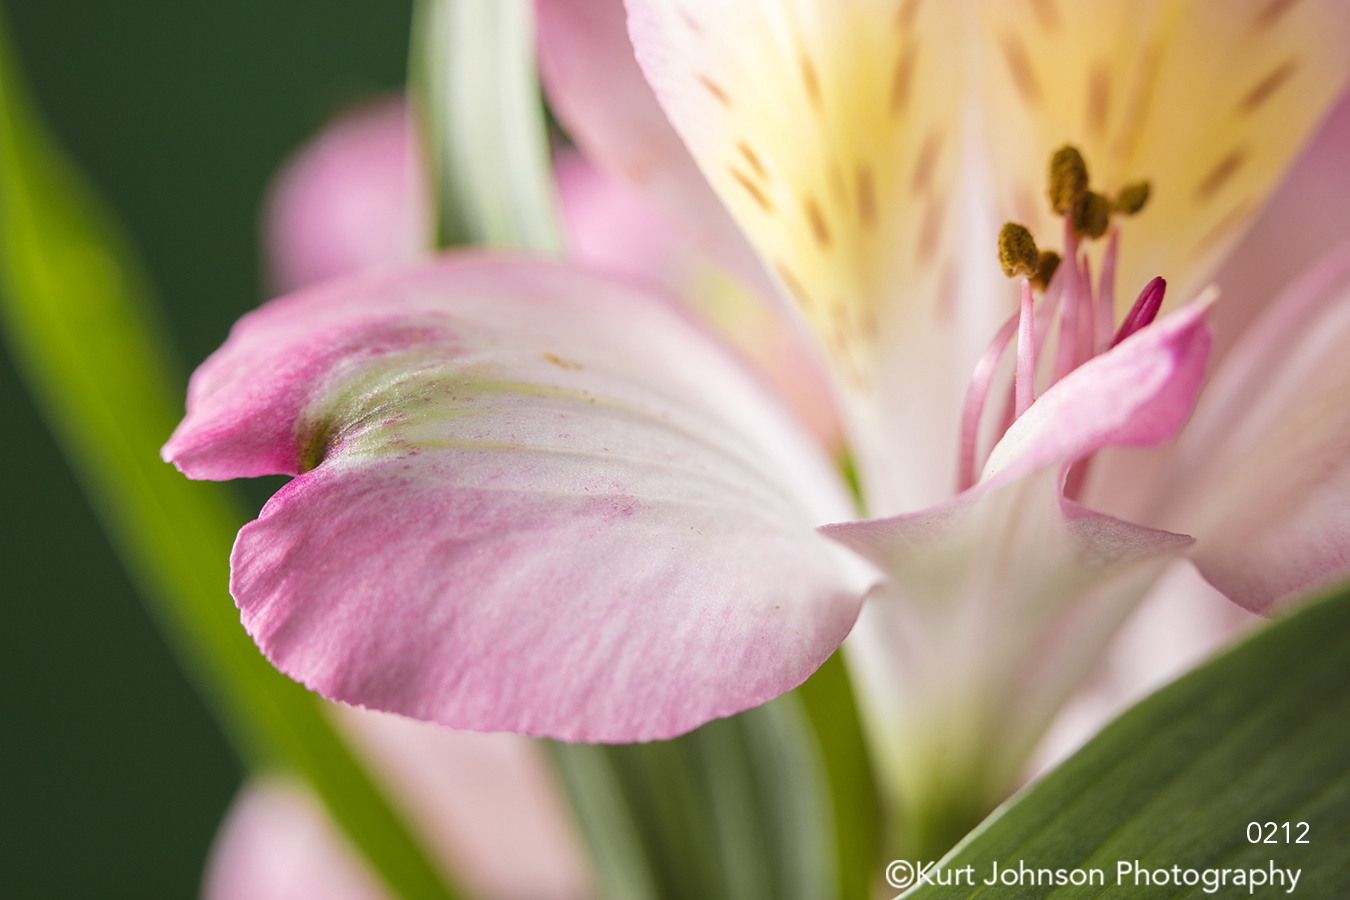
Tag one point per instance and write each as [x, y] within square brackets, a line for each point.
[1132, 198]
[1017, 250]
[1046, 264]
[1092, 215]
[1068, 179]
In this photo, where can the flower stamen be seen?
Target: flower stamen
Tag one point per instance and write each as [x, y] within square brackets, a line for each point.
[1091, 215]
[1046, 264]
[1132, 198]
[1086, 311]
[977, 392]
[1106, 294]
[1066, 352]
[1068, 179]
[1025, 377]
[1017, 251]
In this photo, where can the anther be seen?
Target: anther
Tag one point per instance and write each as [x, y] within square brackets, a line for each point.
[1132, 198]
[1046, 264]
[1092, 215]
[1017, 251]
[1068, 179]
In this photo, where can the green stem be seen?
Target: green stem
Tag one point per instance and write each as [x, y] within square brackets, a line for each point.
[93, 352]
[482, 124]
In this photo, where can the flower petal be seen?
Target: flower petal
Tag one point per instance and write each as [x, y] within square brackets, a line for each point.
[999, 600]
[1209, 100]
[829, 129]
[276, 843]
[348, 201]
[1307, 216]
[1182, 622]
[612, 228]
[1261, 476]
[529, 499]
[485, 806]
[997, 605]
[598, 92]
[488, 806]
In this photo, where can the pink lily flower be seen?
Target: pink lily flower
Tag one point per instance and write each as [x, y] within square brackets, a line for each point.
[533, 499]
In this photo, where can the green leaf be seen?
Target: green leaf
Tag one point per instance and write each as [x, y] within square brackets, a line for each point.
[827, 697]
[482, 123]
[776, 803]
[737, 810]
[1259, 735]
[597, 798]
[93, 353]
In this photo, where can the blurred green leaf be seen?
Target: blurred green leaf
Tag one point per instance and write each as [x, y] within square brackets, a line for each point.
[482, 123]
[827, 697]
[621, 866]
[1261, 734]
[737, 810]
[93, 352]
[777, 802]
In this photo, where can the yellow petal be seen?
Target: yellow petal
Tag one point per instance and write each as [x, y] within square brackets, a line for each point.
[1208, 99]
[830, 130]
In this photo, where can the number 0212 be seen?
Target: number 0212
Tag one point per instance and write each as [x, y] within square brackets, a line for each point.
[1269, 833]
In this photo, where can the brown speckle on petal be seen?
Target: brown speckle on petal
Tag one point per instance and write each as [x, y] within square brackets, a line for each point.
[1019, 67]
[1267, 86]
[1218, 176]
[819, 229]
[715, 89]
[752, 189]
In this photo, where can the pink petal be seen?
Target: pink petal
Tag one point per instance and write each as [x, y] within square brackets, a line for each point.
[1306, 217]
[611, 227]
[276, 843]
[1182, 622]
[487, 806]
[999, 600]
[1138, 394]
[533, 500]
[349, 200]
[598, 92]
[1261, 476]
[997, 606]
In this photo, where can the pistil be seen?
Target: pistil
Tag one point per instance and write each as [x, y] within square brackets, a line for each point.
[1144, 310]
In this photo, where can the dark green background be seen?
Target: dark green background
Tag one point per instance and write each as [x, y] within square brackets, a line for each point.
[113, 776]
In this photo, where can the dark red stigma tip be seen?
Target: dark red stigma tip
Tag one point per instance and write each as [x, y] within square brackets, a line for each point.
[1144, 311]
